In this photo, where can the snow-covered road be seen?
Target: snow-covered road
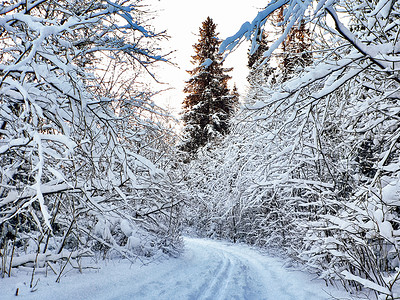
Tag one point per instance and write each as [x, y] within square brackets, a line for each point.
[207, 270]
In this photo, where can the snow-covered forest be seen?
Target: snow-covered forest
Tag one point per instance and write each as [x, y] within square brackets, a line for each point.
[309, 168]
[85, 154]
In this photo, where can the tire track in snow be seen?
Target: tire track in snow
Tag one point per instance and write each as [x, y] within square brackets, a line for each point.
[219, 281]
[233, 281]
[252, 275]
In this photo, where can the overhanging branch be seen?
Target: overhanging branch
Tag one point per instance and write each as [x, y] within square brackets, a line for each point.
[356, 43]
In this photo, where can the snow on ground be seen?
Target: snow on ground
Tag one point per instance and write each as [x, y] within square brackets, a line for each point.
[207, 270]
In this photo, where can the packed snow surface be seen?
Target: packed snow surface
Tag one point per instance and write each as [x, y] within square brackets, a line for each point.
[206, 270]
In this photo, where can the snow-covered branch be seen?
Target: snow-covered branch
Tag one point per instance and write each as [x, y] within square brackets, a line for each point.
[80, 145]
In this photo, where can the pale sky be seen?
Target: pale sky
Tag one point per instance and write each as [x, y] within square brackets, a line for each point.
[182, 19]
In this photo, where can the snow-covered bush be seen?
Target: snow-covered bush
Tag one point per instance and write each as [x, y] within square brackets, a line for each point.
[81, 147]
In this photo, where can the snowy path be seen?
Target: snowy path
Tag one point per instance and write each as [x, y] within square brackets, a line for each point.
[207, 270]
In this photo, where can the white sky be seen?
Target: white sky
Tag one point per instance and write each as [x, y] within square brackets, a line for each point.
[182, 19]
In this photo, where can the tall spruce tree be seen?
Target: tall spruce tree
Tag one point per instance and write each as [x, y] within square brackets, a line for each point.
[296, 51]
[294, 55]
[260, 73]
[209, 104]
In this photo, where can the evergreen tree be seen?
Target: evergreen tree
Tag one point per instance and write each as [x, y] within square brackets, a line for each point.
[235, 97]
[260, 73]
[209, 104]
[255, 59]
[296, 51]
[294, 55]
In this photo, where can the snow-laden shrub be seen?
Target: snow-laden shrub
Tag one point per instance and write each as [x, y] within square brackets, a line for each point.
[78, 142]
[317, 172]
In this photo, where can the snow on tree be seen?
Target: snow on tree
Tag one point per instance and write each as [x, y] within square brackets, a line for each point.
[78, 142]
[316, 171]
[209, 104]
[294, 54]
[260, 73]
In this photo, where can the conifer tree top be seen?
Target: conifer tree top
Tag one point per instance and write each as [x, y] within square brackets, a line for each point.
[208, 105]
[208, 43]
